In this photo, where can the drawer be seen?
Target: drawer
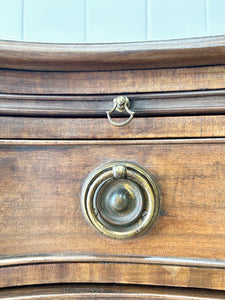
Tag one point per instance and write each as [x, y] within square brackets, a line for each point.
[142, 121]
[42, 220]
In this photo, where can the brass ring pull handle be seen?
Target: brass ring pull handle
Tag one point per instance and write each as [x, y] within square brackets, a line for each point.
[121, 104]
[120, 199]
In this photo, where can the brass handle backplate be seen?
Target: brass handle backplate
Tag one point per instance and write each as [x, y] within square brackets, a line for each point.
[121, 104]
[120, 199]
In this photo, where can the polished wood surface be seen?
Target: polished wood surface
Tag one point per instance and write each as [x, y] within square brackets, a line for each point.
[54, 132]
[100, 128]
[40, 198]
[107, 82]
[128, 273]
[90, 291]
[41, 214]
[154, 104]
[96, 57]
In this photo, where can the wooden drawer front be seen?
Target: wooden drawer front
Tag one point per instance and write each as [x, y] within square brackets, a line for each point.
[40, 197]
[90, 291]
[41, 213]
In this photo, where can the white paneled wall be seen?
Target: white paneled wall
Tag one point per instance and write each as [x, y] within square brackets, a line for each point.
[96, 21]
[54, 21]
[216, 17]
[116, 20]
[11, 19]
[177, 19]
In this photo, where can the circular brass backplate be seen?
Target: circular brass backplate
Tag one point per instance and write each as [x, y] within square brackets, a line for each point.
[120, 199]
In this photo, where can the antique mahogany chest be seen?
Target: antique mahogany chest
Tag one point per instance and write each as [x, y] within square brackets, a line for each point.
[112, 170]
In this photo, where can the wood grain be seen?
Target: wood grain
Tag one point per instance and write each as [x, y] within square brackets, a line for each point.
[40, 198]
[105, 291]
[154, 104]
[101, 128]
[55, 133]
[86, 57]
[107, 82]
[177, 276]
[165, 271]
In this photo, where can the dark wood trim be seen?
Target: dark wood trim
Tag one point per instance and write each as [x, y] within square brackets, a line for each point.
[107, 291]
[108, 82]
[99, 128]
[155, 104]
[93, 57]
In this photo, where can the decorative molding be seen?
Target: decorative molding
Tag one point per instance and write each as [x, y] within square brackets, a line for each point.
[118, 56]
[155, 104]
[70, 258]
[54, 142]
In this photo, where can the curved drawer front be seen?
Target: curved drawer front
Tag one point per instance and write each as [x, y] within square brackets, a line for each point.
[42, 220]
[90, 291]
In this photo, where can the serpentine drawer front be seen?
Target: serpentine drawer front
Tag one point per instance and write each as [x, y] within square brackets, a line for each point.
[112, 171]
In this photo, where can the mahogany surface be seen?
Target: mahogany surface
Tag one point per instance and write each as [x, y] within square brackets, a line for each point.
[100, 128]
[108, 82]
[122, 56]
[54, 132]
[90, 291]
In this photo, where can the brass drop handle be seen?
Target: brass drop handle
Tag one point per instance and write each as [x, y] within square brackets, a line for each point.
[121, 104]
[120, 199]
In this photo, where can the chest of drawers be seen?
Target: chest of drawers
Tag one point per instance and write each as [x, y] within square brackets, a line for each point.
[129, 206]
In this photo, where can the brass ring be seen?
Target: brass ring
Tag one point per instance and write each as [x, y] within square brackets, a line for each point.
[134, 219]
[121, 104]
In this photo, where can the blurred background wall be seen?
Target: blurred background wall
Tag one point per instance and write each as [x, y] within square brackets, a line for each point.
[98, 21]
